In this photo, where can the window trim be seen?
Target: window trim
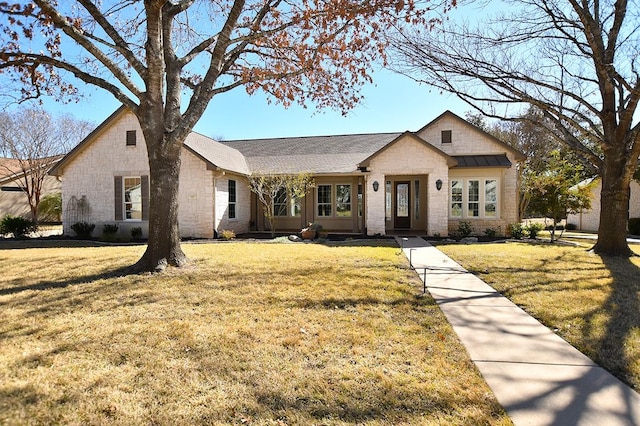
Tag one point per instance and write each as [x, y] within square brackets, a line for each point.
[482, 198]
[350, 203]
[125, 202]
[330, 203]
[333, 203]
[232, 202]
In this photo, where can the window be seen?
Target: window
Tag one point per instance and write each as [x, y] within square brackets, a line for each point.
[131, 138]
[360, 200]
[11, 189]
[456, 198]
[474, 198]
[295, 207]
[280, 203]
[387, 210]
[324, 200]
[343, 200]
[416, 200]
[232, 199]
[446, 136]
[490, 197]
[132, 198]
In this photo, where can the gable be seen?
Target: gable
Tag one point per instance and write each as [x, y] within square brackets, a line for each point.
[117, 135]
[465, 138]
[410, 146]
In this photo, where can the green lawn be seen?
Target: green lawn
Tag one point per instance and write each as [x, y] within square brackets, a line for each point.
[593, 302]
[254, 334]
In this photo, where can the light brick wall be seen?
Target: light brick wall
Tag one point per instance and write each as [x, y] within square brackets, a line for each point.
[243, 204]
[408, 156]
[467, 140]
[507, 199]
[589, 220]
[195, 198]
[91, 175]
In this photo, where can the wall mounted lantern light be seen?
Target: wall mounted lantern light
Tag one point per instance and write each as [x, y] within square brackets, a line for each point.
[439, 184]
[376, 185]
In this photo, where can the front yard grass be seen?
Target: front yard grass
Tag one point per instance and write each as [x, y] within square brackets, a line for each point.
[592, 302]
[248, 334]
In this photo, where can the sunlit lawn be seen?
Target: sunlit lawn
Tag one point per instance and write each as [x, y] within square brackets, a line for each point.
[248, 334]
[591, 301]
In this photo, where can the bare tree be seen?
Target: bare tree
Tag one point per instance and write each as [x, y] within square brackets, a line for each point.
[34, 141]
[576, 61]
[150, 54]
[277, 191]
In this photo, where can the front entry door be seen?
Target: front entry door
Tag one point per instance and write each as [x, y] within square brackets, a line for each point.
[401, 218]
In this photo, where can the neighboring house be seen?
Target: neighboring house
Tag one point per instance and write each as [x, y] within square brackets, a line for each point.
[589, 220]
[421, 182]
[13, 200]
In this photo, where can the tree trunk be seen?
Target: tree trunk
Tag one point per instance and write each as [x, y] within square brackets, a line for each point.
[614, 210]
[164, 238]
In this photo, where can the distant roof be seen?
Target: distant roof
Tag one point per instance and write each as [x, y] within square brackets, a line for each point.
[499, 160]
[312, 154]
[11, 168]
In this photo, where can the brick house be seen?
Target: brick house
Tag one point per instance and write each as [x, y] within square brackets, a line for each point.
[421, 182]
[589, 219]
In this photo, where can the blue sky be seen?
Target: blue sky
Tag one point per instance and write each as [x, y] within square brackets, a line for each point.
[393, 103]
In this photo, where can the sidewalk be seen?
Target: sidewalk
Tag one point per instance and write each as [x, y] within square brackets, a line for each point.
[537, 377]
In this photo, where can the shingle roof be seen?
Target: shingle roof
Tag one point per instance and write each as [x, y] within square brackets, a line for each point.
[313, 154]
[500, 160]
[9, 167]
[217, 154]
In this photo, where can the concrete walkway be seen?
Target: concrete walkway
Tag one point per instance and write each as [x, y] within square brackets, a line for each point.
[537, 377]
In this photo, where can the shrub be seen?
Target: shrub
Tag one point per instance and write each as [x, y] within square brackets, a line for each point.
[136, 233]
[110, 229]
[490, 232]
[16, 225]
[534, 229]
[571, 227]
[464, 228]
[634, 226]
[50, 208]
[83, 229]
[109, 232]
[558, 227]
[227, 234]
[516, 230]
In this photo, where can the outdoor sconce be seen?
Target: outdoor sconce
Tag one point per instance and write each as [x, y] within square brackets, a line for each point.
[376, 185]
[439, 184]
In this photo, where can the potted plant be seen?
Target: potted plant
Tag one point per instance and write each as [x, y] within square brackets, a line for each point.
[311, 231]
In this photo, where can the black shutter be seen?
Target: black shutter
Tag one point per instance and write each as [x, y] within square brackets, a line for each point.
[117, 197]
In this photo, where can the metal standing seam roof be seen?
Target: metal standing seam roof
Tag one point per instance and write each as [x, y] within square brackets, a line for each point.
[499, 160]
[312, 154]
